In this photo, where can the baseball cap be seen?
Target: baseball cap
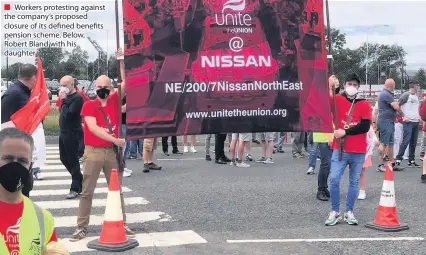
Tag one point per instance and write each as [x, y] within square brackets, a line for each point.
[353, 77]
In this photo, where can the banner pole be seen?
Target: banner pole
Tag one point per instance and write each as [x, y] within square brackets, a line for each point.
[119, 80]
[330, 52]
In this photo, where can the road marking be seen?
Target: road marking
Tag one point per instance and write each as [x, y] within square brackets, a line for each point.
[52, 156]
[52, 161]
[158, 239]
[56, 192]
[52, 147]
[55, 168]
[49, 174]
[328, 240]
[50, 152]
[60, 182]
[95, 203]
[97, 220]
[171, 159]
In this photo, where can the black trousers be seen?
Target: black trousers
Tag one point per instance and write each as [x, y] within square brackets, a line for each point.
[164, 143]
[80, 144]
[219, 143]
[68, 153]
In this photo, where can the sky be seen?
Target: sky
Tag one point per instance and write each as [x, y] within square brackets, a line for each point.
[384, 22]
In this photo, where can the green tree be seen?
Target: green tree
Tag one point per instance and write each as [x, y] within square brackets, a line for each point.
[420, 77]
[12, 72]
[50, 58]
[338, 39]
[112, 67]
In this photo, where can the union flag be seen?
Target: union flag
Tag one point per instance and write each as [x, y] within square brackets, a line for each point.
[38, 106]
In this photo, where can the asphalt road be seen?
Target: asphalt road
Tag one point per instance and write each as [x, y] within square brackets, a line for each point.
[195, 207]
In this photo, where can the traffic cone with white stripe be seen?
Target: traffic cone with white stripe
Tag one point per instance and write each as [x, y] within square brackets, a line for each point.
[113, 235]
[386, 217]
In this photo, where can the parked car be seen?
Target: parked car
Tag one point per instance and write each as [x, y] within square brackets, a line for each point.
[49, 94]
[53, 86]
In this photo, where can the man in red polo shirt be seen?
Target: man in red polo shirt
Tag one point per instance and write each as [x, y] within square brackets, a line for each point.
[101, 119]
[354, 121]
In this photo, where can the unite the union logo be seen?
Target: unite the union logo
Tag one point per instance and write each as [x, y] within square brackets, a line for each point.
[235, 5]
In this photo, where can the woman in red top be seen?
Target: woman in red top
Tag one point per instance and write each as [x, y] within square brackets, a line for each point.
[422, 113]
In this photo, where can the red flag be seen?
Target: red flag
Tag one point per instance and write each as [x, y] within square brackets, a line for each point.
[38, 106]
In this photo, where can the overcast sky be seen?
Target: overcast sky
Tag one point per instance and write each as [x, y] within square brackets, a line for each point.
[387, 22]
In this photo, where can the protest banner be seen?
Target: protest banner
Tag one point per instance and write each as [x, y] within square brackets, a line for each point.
[226, 66]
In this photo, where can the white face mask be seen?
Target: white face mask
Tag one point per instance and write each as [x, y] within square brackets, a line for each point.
[351, 91]
[66, 90]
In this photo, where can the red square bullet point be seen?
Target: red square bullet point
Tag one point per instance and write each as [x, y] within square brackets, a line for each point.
[7, 7]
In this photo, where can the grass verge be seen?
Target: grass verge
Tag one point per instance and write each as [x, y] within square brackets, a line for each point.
[51, 123]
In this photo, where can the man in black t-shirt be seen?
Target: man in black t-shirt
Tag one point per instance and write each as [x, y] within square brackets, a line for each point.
[70, 128]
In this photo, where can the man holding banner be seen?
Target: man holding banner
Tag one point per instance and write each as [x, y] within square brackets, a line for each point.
[354, 120]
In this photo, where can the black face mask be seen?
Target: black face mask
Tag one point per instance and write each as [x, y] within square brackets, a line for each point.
[102, 93]
[13, 176]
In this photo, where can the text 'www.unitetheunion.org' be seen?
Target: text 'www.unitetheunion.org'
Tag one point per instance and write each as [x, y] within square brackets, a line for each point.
[224, 113]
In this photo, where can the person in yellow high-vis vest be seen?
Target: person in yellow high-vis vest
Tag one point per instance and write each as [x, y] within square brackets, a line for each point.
[25, 228]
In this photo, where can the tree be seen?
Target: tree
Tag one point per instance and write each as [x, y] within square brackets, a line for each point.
[112, 67]
[12, 72]
[420, 77]
[50, 57]
[338, 40]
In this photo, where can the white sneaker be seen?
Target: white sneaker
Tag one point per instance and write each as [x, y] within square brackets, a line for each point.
[268, 161]
[127, 172]
[242, 164]
[362, 195]
[39, 176]
[193, 149]
[185, 149]
[310, 171]
[233, 163]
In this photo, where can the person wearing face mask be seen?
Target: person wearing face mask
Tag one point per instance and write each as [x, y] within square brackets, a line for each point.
[70, 129]
[354, 120]
[25, 228]
[16, 97]
[101, 140]
[409, 110]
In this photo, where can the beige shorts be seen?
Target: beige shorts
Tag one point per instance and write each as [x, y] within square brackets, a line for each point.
[245, 137]
[149, 144]
[267, 137]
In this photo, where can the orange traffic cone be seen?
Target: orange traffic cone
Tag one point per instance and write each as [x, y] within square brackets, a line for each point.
[386, 217]
[113, 235]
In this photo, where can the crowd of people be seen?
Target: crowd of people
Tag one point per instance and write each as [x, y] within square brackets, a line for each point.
[89, 133]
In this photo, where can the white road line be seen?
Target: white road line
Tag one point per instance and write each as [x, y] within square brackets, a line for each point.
[328, 240]
[49, 174]
[52, 152]
[158, 239]
[55, 168]
[97, 220]
[52, 147]
[52, 161]
[60, 182]
[52, 156]
[56, 192]
[62, 204]
[172, 159]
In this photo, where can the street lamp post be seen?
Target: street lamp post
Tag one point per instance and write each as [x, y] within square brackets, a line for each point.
[367, 57]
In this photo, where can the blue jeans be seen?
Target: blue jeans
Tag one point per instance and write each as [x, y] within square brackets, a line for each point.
[411, 133]
[355, 162]
[127, 145]
[324, 169]
[135, 147]
[313, 152]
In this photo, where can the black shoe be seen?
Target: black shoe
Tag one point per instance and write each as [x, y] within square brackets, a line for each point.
[322, 196]
[280, 151]
[153, 166]
[423, 178]
[220, 161]
[208, 158]
[226, 159]
[386, 158]
[396, 166]
[327, 193]
[413, 163]
[166, 153]
[177, 153]
[145, 168]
